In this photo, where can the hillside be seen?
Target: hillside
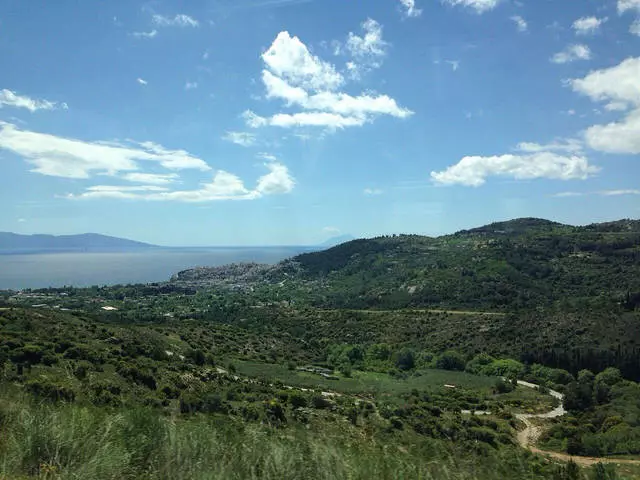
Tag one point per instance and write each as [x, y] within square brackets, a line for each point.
[88, 241]
[523, 263]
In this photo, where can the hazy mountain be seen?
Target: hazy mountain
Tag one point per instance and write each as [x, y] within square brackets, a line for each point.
[333, 241]
[14, 242]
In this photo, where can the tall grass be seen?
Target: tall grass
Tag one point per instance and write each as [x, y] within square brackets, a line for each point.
[75, 442]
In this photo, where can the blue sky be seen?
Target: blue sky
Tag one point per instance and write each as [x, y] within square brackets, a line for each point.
[264, 122]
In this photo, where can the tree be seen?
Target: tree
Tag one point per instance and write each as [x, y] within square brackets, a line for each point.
[451, 360]
[405, 359]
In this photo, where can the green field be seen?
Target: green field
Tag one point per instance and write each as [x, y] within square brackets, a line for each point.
[367, 383]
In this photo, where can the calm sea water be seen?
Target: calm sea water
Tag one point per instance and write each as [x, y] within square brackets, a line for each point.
[87, 269]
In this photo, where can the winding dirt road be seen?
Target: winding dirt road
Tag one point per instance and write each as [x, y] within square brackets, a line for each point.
[528, 437]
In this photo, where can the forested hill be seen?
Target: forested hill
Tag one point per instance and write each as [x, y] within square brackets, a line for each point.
[525, 262]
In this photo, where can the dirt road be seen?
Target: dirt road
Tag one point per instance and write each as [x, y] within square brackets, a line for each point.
[528, 437]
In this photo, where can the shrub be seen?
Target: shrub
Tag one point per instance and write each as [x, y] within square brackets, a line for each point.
[451, 360]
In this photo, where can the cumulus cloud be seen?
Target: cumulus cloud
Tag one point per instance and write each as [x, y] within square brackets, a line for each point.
[180, 20]
[480, 6]
[634, 29]
[588, 25]
[292, 74]
[572, 53]
[474, 170]
[625, 5]
[521, 23]
[291, 60]
[244, 139]
[150, 34]
[9, 98]
[409, 8]
[616, 137]
[223, 186]
[72, 158]
[620, 88]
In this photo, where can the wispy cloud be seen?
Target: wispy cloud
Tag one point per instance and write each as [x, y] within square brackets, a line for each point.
[9, 98]
[191, 85]
[572, 53]
[142, 81]
[223, 186]
[480, 6]
[150, 34]
[521, 23]
[152, 178]
[588, 25]
[372, 191]
[180, 20]
[244, 139]
[409, 8]
[603, 193]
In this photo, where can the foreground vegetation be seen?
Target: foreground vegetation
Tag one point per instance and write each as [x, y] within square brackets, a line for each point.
[364, 361]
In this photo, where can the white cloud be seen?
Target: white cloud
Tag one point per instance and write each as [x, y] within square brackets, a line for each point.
[634, 29]
[12, 99]
[617, 137]
[609, 193]
[620, 88]
[372, 191]
[480, 6]
[224, 186]
[244, 139]
[22, 220]
[293, 75]
[474, 170]
[368, 50]
[624, 5]
[150, 34]
[152, 178]
[520, 22]
[410, 9]
[191, 85]
[604, 193]
[570, 145]
[572, 53]
[567, 194]
[291, 60]
[332, 230]
[71, 158]
[142, 81]
[455, 64]
[588, 25]
[305, 119]
[618, 84]
[277, 181]
[180, 20]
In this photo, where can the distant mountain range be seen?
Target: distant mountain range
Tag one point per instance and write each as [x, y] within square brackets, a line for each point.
[16, 243]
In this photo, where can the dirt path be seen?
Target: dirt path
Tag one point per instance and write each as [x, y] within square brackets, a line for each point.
[528, 437]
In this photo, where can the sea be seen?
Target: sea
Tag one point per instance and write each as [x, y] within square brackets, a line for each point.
[84, 269]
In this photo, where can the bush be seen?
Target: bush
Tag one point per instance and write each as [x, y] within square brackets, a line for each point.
[451, 360]
[405, 359]
[297, 400]
[46, 390]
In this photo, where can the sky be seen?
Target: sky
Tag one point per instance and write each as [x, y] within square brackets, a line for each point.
[286, 122]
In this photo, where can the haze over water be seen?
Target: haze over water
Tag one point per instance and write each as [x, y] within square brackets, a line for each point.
[87, 269]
